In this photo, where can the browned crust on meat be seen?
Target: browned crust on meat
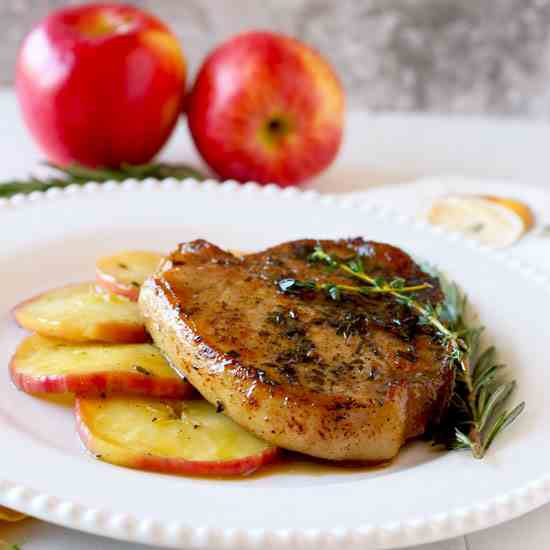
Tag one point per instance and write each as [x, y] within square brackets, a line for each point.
[324, 416]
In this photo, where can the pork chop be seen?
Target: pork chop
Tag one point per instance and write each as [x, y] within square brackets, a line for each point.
[345, 379]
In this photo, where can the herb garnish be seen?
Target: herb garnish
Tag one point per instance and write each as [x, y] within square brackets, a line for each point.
[476, 414]
[143, 370]
[477, 228]
[371, 285]
[75, 174]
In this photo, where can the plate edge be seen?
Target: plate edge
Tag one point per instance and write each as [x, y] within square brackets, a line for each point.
[179, 535]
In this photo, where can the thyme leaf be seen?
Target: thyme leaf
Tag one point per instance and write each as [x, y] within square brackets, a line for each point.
[143, 370]
[477, 413]
[354, 268]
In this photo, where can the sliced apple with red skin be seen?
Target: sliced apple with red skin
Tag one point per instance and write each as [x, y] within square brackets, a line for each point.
[124, 273]
[46, 365]
[59, 399]
[83, 313]
[169, 436]
[10, 515]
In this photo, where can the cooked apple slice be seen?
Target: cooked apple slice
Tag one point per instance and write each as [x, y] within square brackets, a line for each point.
[10, 515]
[45, 365]
[125, 272]
[177, 437]
[520, 208]
[83, 313]
[494, 221]
[60, 399]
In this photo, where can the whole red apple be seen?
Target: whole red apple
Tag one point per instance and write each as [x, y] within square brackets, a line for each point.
[267, 108]
[101, 84]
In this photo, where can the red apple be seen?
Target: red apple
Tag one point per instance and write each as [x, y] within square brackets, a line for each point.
[267, 108]
[100, 85]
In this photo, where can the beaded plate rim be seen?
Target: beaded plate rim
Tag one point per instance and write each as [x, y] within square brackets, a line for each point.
[424, 529]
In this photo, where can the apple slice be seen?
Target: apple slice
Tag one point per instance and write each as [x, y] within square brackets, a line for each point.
[83, 313]
[494, 221]
[59, 399]
[10, 515]
[520, 208]
[44, 365]
[170, 436]
[124, 273]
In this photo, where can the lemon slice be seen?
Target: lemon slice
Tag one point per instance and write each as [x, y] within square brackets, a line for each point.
[493, 221]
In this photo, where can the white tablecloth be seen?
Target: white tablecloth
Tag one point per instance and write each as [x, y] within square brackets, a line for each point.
[496, 156]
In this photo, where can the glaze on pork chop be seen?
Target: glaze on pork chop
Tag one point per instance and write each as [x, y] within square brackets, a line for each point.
[351, 379]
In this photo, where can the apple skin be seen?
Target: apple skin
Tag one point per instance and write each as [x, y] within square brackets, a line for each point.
[110, 284]
[179, 466]
[266, 108]
[100, 85]
[45, 366]
[125, 272]
[236, 467]
[100, 383]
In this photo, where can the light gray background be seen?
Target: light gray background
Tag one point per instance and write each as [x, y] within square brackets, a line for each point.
[459, 56]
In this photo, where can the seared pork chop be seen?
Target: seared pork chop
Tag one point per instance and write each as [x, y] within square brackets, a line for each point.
[350, 379]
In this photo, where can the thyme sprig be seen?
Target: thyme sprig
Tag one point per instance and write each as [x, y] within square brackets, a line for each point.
[355, 269]
[335, 290]
[476, 414]
[75, 174]
[396, 288]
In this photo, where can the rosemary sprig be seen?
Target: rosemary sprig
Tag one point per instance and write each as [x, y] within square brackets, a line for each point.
[75, 174]
[476, 415]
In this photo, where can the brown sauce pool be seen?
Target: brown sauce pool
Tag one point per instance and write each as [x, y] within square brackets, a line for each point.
[299, 464]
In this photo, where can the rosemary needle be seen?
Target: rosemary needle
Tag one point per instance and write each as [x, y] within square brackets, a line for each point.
[76, 174]
[477, 413]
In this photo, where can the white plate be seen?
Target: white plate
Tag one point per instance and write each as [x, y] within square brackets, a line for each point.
[49, 240]
[416, 198]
